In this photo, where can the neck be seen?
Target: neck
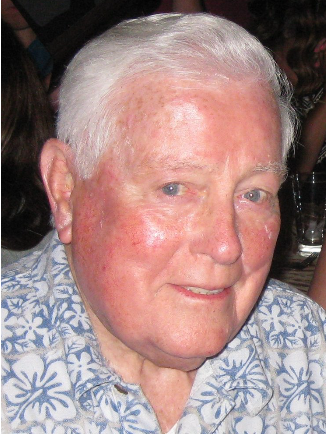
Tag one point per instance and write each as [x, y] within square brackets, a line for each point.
[167, 390]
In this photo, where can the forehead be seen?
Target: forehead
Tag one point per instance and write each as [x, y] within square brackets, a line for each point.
[155, 94]
[182, 119]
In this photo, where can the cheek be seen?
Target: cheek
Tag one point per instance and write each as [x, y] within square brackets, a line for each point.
[259, 241]
[148, 241]
[140, 231]
[85, 232]
[136, 238]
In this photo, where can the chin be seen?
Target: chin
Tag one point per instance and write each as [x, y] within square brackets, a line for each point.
[186, 358]
[185, 364]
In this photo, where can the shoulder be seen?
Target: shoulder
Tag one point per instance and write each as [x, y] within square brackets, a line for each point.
[282, 294]
[289, 333]
[17, 276]
[287, 319]
[22, 303]
[27, 300]
[29, 266]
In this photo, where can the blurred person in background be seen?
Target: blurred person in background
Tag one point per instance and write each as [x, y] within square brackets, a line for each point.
[28, 38]
[295, 32]
[26, 123]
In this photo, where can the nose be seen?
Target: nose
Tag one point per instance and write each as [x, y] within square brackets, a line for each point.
[218, 237]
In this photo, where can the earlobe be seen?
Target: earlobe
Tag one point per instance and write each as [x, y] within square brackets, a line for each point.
[59, 183]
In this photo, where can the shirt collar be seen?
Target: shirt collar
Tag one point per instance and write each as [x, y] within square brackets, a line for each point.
[235, 379]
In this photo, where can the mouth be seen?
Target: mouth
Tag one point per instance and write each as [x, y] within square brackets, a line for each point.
[202, 291]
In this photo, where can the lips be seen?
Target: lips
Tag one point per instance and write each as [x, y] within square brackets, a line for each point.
[202, 291]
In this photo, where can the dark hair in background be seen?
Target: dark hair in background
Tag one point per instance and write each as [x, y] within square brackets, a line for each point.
[26, 123]
[304, 22]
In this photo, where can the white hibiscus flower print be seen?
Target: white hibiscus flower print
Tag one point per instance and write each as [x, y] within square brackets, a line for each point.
[37, 391]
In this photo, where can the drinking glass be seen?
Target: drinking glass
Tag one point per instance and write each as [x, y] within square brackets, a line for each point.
[309, 191]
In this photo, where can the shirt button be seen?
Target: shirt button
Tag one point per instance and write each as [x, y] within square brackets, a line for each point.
[121, 389]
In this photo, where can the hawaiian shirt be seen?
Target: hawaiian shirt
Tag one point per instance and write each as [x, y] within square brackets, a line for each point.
[269, 379]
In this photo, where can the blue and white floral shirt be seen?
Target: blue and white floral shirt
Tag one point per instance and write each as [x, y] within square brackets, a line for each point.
[269, 379]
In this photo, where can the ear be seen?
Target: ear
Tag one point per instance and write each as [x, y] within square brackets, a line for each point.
[58, 178]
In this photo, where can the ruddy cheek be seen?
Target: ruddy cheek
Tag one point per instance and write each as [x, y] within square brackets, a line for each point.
[260, 243]
[148, 232]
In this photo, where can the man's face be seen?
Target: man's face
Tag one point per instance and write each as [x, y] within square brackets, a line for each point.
[173, 239]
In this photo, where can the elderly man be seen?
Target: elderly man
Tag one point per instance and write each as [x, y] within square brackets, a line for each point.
[148, 312]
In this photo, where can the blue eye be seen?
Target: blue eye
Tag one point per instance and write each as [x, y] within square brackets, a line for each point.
[171, 189]
[255, 195]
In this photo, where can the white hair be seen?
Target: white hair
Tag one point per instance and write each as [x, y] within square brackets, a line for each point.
[201, 47]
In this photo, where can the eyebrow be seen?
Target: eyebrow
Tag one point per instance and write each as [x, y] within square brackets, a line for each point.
[185, 164]
[273, 167]
[278, 168]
